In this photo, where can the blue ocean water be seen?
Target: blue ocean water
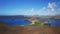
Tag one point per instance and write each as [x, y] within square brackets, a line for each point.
[15, 22]
[53, 22]
[22, 21]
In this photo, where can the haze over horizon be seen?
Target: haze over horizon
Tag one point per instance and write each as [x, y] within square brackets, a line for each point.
[29, 7]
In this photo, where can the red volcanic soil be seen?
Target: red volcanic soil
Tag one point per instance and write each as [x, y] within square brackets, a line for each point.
[53, 30]
[41, 30]
[29, 30]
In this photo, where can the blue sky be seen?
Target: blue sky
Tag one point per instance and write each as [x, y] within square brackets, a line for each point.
[29, 7]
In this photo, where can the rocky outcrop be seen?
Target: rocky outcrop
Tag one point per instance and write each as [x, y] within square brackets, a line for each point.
[55, 17]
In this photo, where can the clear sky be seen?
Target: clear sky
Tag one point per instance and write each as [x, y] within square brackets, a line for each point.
[29, 7]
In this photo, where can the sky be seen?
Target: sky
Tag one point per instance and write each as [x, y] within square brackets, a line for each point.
[29, 7]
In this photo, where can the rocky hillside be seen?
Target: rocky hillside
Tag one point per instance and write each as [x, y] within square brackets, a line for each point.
[56, 17]
[29, 30]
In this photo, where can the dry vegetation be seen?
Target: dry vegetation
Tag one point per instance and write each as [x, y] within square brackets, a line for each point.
[29, 30]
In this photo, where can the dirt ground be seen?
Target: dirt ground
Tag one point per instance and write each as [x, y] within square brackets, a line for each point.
[31, 30]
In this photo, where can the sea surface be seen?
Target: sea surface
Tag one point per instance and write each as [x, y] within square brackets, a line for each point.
[53, 22]
[22, 21]
[15, 22]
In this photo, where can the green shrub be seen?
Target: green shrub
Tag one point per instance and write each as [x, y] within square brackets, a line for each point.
[36, 24]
